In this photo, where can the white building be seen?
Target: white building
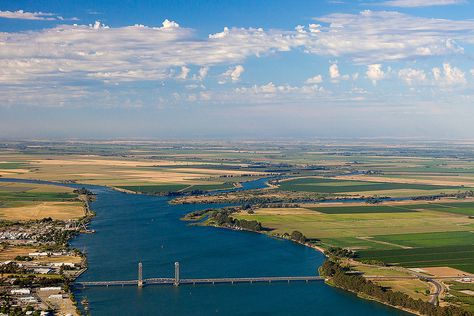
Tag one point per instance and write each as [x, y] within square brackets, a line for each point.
[50, 288]
[21, 291]
[29, 299]
[42, 270]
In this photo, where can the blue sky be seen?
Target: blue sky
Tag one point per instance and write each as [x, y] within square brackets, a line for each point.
[240, 69]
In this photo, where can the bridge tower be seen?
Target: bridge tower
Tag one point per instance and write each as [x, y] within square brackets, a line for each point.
[176, 273]
[140, 274]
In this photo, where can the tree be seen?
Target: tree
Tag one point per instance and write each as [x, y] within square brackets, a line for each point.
[298, 236]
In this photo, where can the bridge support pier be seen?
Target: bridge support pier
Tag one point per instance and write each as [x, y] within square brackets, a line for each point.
[140, 274]
[176, 274]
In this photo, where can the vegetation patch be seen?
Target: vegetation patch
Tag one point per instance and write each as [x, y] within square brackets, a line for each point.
[437, 239]
[323, 185]
[460, 293]
[459, 257]
[358, 284]
[361, 209]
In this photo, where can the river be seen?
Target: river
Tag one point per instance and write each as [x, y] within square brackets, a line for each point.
[133, 227]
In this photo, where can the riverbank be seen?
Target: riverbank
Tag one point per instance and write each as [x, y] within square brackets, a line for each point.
[210, 220]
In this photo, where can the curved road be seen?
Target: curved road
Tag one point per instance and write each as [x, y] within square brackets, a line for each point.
[439, 290]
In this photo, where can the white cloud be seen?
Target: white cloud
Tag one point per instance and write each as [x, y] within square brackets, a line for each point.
[148, 53]
[376, 36]
[203, 72]
[412, 76]
[167, 24]
[334, 72]
[24, 15]
[76, 53]
[126, 53]
[314, 80]
[420, 3]
[184, 73]
[448, 76]
[271, 90]
[232, 74]
[375, 73]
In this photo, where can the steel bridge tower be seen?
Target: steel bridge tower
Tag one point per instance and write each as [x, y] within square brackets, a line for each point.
[140, 274]
[176, 273]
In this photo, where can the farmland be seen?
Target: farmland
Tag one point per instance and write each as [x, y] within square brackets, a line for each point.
[428, 223]
[142, 174]
[27, 201]
[391, 232]
[460, 257]
[166, 188]
[349, 187]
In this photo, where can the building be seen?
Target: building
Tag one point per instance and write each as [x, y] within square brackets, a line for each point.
[20, 291]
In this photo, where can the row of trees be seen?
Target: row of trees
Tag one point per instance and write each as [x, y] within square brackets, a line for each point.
[359, 284]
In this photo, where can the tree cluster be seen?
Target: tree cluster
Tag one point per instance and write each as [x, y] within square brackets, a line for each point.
[83, 191]
[359, 284]
[223, 218]
[12, 267]
[341, 252]
[23, 258]
[298, 236]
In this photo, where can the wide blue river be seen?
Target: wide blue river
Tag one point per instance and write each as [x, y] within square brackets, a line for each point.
[132, 228]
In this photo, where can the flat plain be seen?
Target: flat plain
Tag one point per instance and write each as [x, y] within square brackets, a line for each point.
[414, 207]
[30, 201]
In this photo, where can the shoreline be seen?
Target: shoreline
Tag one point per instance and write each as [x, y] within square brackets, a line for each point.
[90, 215]
[322, 251]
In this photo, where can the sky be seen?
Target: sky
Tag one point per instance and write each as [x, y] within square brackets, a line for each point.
[237, 69]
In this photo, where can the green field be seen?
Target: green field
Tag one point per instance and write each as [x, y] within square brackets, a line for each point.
[460, 257]
[18, 198]
[322, 185]
[438, 239]
[164, 188]
[467, 300]
[12, 165]
[361, 209]
[30, 201]
[36, 196]
[462, 208]
[412, 235]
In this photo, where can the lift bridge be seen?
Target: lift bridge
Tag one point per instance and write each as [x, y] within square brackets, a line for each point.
[176, 281]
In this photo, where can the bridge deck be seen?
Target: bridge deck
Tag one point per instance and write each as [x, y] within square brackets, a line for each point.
[171, 281]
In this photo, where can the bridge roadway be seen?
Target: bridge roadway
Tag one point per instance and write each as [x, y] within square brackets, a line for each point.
[172, 281]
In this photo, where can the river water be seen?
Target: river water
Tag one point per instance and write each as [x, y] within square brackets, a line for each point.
[133, 227]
